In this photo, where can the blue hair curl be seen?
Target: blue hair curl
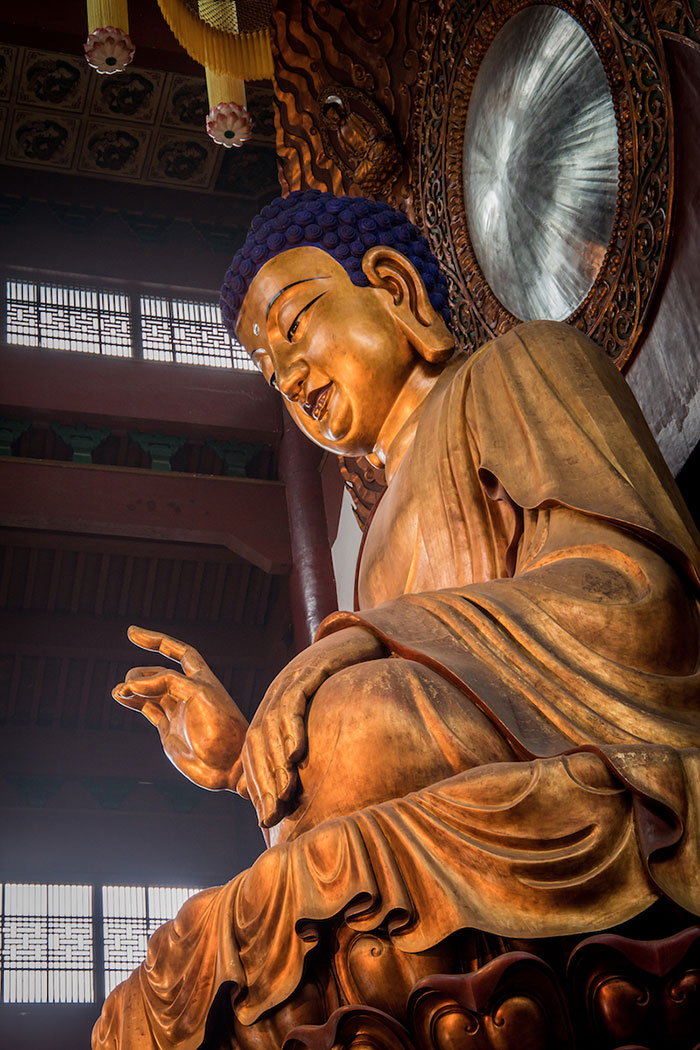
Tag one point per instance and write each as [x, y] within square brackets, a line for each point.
[345, 227]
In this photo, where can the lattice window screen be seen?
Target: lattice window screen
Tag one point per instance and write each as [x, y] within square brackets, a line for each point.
[58, 317]
[99, 321]
[189, 333]
[48, 936]
[130, 915]
[47, 948]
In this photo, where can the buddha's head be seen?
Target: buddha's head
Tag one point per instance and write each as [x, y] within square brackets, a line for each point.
[341, 304]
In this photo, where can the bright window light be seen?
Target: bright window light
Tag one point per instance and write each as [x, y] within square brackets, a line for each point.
[48, 936]
[99, 321]
[57, 317]
[130, 915]
[189, 333]
[47, 947]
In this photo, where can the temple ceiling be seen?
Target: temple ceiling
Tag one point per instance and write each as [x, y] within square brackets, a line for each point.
[144, 126]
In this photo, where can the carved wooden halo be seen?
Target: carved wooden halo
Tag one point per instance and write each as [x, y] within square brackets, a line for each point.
[629, 47]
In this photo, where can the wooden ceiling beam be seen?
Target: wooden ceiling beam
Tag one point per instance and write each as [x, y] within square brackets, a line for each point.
[211, 402]
[83, 636]
[132, 548]
[246, 516]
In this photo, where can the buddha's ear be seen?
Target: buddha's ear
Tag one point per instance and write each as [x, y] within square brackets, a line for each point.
[388, 269]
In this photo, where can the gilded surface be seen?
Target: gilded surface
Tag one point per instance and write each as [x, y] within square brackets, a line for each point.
[504, 737]
[357, 136]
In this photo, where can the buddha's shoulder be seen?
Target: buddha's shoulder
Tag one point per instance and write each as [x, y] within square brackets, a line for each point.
[553, 344]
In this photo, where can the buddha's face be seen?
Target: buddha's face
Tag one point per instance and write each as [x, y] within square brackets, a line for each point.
[333, 350]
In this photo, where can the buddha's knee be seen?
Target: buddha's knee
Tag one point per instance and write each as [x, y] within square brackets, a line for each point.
[363, 706]
[400, 709]
[382, 729]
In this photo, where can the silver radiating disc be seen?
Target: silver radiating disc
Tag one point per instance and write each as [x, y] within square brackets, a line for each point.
[540, 164]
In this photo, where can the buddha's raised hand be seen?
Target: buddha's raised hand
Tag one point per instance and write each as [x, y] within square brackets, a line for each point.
[200, 726]
[276, 739]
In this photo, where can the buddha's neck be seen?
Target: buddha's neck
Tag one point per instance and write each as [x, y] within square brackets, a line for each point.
[398, 429]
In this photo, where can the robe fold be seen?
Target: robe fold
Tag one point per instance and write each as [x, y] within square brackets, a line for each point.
[531, 554]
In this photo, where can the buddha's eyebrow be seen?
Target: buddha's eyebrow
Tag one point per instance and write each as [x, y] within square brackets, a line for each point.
[286, 288]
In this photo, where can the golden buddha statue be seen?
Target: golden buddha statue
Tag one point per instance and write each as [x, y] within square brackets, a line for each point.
[501, 744]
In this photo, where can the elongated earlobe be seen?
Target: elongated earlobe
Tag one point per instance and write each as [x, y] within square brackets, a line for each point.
[417, 317]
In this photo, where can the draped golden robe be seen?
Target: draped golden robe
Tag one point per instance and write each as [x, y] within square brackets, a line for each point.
[534, 575]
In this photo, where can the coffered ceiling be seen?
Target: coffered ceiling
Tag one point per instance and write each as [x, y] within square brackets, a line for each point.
[143, 125]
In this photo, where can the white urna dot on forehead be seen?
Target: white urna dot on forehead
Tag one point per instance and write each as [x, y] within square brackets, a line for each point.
[256, 329]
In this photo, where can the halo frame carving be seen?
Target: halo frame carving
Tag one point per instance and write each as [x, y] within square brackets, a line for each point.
[356, 101]
[629, 46]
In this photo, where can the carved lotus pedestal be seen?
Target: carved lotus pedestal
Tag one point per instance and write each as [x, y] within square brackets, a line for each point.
[610, 993]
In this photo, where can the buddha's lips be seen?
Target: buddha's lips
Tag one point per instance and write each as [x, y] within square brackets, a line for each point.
[315, 403]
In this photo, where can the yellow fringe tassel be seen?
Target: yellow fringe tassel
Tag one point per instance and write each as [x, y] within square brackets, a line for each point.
[224, 88]
[248, 56]
[102, 13]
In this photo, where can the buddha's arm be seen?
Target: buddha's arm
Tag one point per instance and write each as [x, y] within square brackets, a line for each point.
[200, 726]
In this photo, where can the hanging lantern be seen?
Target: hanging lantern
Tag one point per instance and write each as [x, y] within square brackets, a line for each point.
[108, 48]
[228, 122]
[231, 40]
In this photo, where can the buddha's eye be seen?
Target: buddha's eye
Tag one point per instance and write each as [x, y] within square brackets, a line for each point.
[297, 320]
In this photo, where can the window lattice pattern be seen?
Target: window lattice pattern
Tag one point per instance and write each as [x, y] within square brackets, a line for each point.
[61, 318]
[131, 915]
[95, 321]
[48, 937]
[47, 949]
[189, 333]
[125, 931]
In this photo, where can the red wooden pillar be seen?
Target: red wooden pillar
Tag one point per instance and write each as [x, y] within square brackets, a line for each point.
[312, 581]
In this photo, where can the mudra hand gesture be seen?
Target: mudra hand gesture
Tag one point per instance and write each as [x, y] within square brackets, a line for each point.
[205, 735]
[200, 726]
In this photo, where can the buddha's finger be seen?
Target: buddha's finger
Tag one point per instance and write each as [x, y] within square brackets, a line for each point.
[149, 684]
[144, 638]
[275, 749]
[259, 775]
[159, 685]
[160, 712]
[155, 715]
[143, 672]
[292, 725]
[273, 811]
[152, 711]
[242, 786]
[286, 781]
[126, 698]
[236, 778]
[190, 659]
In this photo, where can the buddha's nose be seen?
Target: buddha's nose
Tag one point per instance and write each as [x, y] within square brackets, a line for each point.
[290, 381]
